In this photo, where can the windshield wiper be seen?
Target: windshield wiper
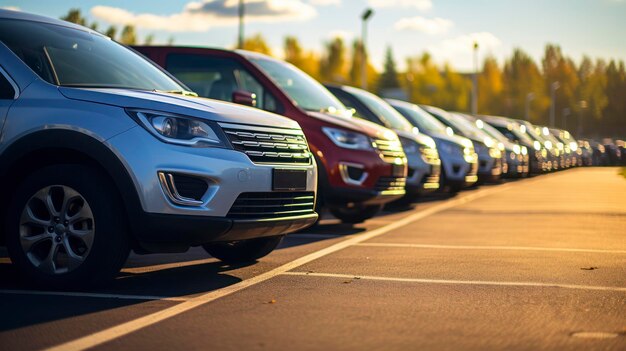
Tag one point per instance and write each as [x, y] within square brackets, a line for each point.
[179, 92]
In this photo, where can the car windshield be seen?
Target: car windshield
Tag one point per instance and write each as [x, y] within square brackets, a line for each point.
[78, 58]
[494, 133]
[392, 118]
[420, 118]
[305, 91]
[466, 127]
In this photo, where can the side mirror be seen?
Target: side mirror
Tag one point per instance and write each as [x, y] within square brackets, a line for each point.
[243, 97]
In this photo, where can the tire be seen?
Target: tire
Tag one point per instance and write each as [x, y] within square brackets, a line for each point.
[65, 228]
[356, 214]
[243, 251]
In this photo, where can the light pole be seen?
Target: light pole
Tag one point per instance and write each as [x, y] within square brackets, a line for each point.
[583, 106]
[240, 36]
[409, 83]
[529, 97]
[364, 17]
[553, 88]
[566, 113]
[475, 81]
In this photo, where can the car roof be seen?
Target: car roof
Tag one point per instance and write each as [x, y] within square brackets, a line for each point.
[24, 16]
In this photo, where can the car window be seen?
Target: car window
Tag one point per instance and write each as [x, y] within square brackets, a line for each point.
[421, 119]
[6, 89]
[305, 91]
[217, 78]
[391, 118]
[79, 58]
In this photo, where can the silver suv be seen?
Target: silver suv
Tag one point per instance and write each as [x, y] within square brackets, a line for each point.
[102, 152]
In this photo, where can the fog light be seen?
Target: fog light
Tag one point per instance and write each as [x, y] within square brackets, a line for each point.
[352, 173]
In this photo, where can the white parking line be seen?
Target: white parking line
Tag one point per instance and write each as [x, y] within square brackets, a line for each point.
[93, 295]
[474, 247]
[129, 327]
[459, 282]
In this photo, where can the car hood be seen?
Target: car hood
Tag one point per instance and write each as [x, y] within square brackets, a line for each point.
[420, 138]
[197, 107]
[356, 124]
[456, 139]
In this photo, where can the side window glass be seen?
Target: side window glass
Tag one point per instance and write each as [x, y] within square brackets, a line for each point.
[247, 82]
[6, 89]
[217, 78]
[207, 76]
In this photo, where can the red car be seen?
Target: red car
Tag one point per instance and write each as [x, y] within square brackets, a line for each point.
[361, 165]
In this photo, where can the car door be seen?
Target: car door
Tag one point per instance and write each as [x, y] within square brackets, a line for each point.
[8, 94]
[217, 77]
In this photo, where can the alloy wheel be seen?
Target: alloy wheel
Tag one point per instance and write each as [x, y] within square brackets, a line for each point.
[57, 229]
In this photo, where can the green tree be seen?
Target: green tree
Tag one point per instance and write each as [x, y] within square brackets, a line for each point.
[111, 32]
[389, 78]
[354, 74]
[426, 82]
[332, 64]
[522, 77]
[129, 36]
[74, 16]
[561, 69]
[306, 61]
[257, 43]
[614, 123]
[490, 87]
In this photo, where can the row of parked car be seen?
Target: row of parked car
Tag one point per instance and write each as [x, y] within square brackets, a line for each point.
[106, 149]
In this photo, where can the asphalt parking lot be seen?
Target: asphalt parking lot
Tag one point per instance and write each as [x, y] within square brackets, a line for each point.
[533, 264]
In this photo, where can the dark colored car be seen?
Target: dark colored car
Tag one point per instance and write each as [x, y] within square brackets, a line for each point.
[517, 133]
[420, 149]
[613, 152]
[514, 157]
[489, 157]
[361, 165]
[459, 162]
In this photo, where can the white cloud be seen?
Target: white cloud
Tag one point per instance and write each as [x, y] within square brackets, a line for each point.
[10, 8]
[422, 5]
[203, 15]
[325, 2]
[459, 51]
[430, 26]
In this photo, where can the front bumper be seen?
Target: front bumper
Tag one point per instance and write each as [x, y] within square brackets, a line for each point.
[422, 176]
[176, 233]
[227, 172]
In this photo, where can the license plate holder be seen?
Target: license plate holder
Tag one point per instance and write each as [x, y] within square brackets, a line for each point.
[289, 179]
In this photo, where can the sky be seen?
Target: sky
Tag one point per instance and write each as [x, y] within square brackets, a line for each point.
[445, 28]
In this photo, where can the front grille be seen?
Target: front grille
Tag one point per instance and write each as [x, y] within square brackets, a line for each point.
[391, 184]
[270, 147]
[272, 205]
[390, 150]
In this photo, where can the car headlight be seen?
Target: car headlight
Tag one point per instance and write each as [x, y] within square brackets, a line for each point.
[494, 152]
[517, 149]
[573, 145]
[488, 142]
[176, 129]
[537, 145]
[524, 150]
[347, 139]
